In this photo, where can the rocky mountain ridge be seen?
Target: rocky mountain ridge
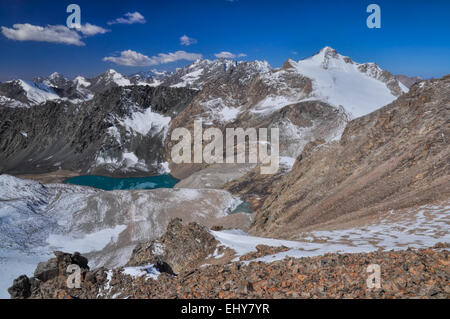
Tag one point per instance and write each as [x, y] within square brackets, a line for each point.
[20, 93]
[307, 100]
[119, 131]
[193, 76]
[395, 157]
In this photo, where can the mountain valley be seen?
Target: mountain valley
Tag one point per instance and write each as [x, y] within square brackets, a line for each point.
[364, 170]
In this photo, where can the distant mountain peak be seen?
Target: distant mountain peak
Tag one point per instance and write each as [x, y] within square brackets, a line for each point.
[328, 50]
[288, 64]
[112, 73]
[54, 75]
[328, 57]
[81, 80]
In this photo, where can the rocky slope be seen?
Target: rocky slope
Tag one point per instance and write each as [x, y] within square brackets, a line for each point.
[395, 157]
[408, 81]
[19, 93]
[307, 100]
[422, 273]
[120, 131]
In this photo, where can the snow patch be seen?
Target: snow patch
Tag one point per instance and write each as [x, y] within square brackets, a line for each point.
[81, 81]
[12, 103]
[37, 93]
[149, 271]
[422, 228]
[86, 242]
[118, 78]
[146, 121]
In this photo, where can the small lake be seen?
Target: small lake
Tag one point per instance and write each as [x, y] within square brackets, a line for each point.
[127, 183]
[244, 207]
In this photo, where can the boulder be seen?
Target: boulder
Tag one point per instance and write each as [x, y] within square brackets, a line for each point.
[181, 248]
[46, 270]
[23, 287]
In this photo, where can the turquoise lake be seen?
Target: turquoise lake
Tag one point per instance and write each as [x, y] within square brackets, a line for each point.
[244, 207]
[127, 183]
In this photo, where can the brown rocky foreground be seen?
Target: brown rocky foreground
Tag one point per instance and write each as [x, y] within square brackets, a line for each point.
[422, 273]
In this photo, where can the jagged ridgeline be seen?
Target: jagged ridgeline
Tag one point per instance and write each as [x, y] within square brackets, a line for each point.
[108, 134]
[115, 124]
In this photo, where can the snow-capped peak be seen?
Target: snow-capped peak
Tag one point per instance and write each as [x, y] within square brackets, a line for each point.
[36, 93]
[80, 80]
[149, 74]
[116, 77]
[328, 50]
[337, 80]
[54, 75]
[261, 66]
[54, 80]
[329, 58]
[289, 63]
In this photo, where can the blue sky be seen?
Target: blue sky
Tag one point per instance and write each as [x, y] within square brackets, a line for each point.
[413, 40]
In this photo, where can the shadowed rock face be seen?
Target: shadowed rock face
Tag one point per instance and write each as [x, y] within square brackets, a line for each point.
[395, 157]
[92, 136]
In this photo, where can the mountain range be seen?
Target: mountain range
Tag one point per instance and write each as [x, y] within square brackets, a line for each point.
[25, 93]
[308, 99]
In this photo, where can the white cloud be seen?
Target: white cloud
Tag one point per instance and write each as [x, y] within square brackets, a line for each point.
[51, 33]
[176, 56]
[229, 55]
[130, 58]
[90, 29]
[133, 58]
[129, 18]
[185, 40]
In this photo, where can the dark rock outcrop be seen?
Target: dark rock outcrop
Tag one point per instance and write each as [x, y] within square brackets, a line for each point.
[50, 279]
[23, 287]
[52, 268]
[181, 248]
[46, 270]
